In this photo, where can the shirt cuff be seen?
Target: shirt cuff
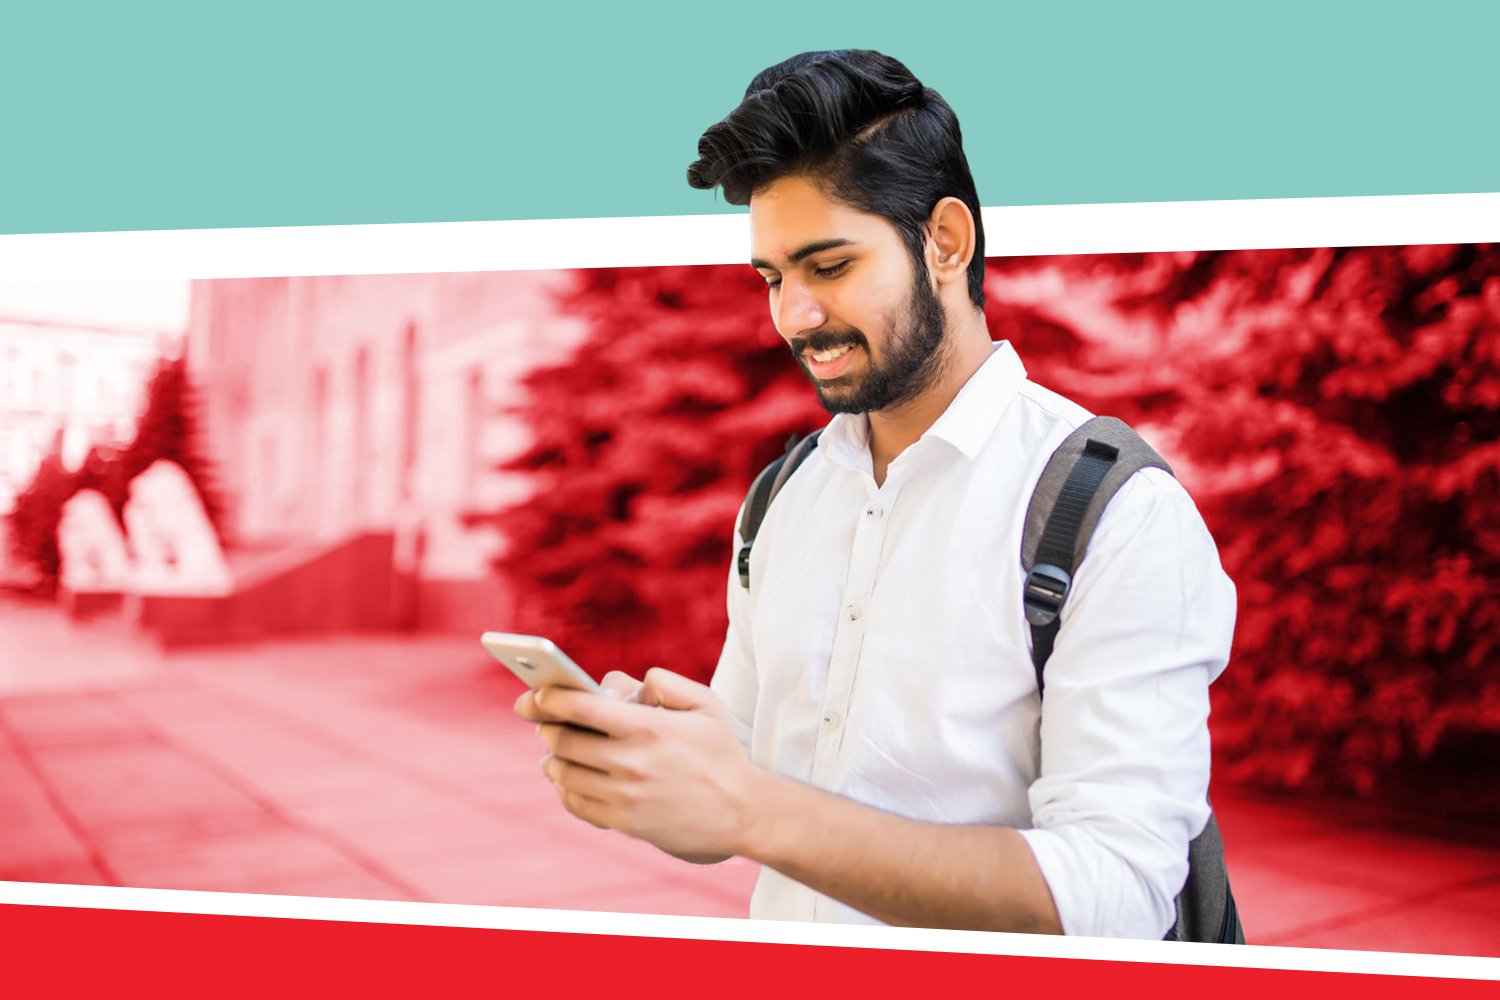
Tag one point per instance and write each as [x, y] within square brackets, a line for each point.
[1096, 893]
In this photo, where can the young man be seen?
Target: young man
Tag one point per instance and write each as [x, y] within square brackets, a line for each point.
[873, 735]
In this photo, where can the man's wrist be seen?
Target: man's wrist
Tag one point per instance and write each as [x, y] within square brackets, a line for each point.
[763, 811]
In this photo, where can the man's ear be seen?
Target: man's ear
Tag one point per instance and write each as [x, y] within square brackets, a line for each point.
[950, 241]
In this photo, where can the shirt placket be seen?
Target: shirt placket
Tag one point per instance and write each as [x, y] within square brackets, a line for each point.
[848, 638]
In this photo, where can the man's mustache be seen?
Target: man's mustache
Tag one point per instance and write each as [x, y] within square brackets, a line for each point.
[826, 340]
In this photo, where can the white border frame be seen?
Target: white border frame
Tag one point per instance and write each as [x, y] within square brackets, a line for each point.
[724, 239]
[1396, 220]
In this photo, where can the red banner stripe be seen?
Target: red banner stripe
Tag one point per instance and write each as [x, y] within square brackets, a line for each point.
[57, 951]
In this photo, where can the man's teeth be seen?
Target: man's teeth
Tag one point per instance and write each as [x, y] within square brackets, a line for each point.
[824, 357]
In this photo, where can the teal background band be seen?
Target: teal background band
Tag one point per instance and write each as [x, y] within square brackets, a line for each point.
[164, 116]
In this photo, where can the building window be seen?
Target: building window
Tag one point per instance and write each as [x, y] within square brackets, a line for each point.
[474, 409]
[362, 480]
[411, 403]
[318, 418]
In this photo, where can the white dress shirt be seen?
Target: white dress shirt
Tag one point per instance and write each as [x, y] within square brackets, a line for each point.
[882, 653]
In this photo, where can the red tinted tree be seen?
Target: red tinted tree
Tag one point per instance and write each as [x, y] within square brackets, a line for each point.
[34, 520]
[645, 443]
[1336, 412]
[166, 429]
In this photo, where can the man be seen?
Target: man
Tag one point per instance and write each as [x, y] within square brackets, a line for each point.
[900, 766]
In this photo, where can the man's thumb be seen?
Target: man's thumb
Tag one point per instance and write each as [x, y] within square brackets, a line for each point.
[669, 690]
[617, 684]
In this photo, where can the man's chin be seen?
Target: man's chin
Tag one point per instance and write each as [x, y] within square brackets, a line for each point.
[840, 395]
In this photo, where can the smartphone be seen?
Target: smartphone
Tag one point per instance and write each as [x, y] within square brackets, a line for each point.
[537, 661]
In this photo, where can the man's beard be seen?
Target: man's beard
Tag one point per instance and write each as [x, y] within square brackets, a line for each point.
[914, 357]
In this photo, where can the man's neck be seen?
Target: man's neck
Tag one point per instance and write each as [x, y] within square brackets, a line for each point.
[894, 430]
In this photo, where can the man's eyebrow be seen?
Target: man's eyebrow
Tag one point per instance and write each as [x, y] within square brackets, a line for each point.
[803, 252]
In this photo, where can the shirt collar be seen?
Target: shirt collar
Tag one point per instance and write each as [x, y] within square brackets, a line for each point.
[970, 419]
[966, 424]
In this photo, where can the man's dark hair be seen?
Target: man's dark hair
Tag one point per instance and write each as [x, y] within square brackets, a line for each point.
[860, 124]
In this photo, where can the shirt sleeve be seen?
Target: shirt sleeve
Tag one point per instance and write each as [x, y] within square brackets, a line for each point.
[1123, 781]
[734, 678]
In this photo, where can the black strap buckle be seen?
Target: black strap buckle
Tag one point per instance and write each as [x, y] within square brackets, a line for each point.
[1044, 592]
[744, 564]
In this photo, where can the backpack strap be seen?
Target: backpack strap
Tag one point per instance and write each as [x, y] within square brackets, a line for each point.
[1080, 479]
[769, 483]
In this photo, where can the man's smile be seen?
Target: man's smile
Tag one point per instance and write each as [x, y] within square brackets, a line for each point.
[829, 364]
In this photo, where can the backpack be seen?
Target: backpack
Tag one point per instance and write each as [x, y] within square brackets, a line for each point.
[1080, 478]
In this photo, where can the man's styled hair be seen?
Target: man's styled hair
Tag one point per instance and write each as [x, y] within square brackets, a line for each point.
[860, 124]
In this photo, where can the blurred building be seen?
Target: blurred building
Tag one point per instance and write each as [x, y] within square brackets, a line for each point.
[371, 407]
[68, 384]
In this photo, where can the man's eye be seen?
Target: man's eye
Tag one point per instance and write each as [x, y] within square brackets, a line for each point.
[773, 282]
[832, 270]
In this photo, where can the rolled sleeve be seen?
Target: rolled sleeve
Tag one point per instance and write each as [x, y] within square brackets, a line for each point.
[1123, 780]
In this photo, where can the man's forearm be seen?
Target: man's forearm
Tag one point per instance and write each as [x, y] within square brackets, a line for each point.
[898, 870]
[680, 780]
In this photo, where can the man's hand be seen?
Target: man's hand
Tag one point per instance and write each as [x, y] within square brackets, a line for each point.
[677, 778]
[617, 685]
[665, 766]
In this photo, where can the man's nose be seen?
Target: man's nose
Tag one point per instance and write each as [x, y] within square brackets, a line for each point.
[798, 310]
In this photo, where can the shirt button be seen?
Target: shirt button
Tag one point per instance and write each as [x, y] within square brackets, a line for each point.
[832, 719]
[874, 513]
[853, 612]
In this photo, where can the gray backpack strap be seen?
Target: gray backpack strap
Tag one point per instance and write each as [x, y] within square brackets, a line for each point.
[769, 483]
[1080, 479]
[1133, 454]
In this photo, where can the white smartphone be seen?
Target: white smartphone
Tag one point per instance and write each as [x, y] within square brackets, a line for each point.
[537, 661]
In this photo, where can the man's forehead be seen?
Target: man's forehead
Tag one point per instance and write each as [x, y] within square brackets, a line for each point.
[793, 213]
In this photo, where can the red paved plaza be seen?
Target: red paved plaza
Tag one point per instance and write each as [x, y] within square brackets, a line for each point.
[391, 767]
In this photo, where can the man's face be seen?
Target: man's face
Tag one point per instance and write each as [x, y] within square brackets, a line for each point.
[861, 319]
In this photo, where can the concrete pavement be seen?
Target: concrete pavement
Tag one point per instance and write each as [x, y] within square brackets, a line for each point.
[391, 767]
